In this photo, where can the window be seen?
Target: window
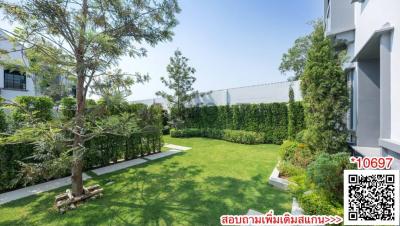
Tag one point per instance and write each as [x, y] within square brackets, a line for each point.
[14, 80]
[352, 114]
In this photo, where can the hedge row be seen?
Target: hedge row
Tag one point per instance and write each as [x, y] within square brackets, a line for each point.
[269, 119]
[236, 136]
[101, 151]
[109, 148]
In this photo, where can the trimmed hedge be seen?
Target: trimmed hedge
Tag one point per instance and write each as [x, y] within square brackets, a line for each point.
[10, 154]
[236, 136]
[101, 151]
[109, 148]
[268, 119]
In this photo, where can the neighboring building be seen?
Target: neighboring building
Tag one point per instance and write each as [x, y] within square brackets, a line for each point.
[14, 83]
[370, 30]
[263, 93]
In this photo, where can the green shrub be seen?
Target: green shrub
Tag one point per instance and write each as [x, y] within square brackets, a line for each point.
[212, 133]
[313, 200]
[39, 107]
[243, 137]
[287, 149]
[326, 172]
[3, 121]
[190, 132]
[68, 107]
[297, 154]
[236, 136]
[318, 203]
[300, 136]
[287, 169]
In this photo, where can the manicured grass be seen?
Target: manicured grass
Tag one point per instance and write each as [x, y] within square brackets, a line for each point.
[191, 188]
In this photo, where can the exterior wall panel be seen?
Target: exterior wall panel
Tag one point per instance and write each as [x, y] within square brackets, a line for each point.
[264, 93]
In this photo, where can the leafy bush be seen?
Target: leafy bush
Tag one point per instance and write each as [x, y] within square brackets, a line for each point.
[326, 172]
[3, 121]
[68, 107]
[243, 137]
[287, 169]
[40, 108]
[297, 154]
[313, 200]
[318, 203]
[190, 132]
[287, 149]
[236, 136]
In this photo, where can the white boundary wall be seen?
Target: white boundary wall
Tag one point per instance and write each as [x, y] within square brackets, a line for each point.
[263, 93]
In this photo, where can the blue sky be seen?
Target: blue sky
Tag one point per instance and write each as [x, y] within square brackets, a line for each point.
[231, 43]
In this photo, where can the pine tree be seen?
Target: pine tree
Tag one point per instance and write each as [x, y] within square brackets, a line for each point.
[180, 80]
[291, 116]
[325, 93]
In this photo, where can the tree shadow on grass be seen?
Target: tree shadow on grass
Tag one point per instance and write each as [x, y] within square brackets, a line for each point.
[176, 196]
[170, 195]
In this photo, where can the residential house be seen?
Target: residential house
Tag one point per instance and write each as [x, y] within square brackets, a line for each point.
[14, 83]
[370, 31]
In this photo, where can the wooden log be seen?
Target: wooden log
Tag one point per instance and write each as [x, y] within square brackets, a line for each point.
[61, 197]
[73, 200]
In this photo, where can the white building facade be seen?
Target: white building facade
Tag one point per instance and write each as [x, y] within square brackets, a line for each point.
[14, 83]
[370, 31]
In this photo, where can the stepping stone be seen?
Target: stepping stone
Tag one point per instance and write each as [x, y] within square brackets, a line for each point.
[252, 212]
[296, 209]
[162, 154]
[118, 166]
[177, 147]
[37, 189]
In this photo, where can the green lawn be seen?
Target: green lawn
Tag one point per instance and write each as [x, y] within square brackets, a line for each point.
[191, 188]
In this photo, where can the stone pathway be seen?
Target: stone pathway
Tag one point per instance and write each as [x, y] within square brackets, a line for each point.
[177, 147]
[161, 154]
[37, 189]
[118, 166]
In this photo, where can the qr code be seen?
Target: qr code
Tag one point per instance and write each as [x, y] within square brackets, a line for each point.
[371, 197]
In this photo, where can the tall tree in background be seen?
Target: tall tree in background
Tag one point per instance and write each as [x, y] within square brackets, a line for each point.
[94, 34]
[296, 57]
[325, 93]
[180, 80]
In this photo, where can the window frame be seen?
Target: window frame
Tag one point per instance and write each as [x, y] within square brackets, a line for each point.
[15, 83]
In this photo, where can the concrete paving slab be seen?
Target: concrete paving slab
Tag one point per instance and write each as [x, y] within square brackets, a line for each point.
[118, 166]
[36, 189]
[177, 147]
[162, 154]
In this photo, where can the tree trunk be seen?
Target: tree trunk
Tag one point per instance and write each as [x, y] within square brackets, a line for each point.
[77, 163]
[78, 147]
